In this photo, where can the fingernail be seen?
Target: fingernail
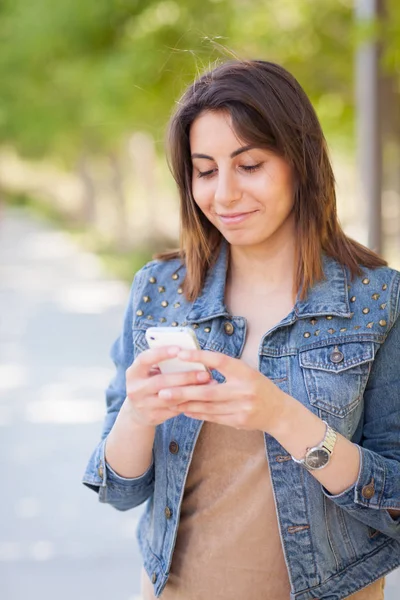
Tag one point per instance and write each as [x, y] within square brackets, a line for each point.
[165, 394]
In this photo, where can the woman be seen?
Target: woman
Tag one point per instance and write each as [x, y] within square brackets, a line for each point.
[282, 481]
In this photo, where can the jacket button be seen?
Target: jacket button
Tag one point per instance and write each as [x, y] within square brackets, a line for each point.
[229, 329]
[173, 447]
[168, 512]
[336, 356]
[368, 490]
[154, 578]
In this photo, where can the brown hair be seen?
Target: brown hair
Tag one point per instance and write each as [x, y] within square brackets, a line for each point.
[269, 109]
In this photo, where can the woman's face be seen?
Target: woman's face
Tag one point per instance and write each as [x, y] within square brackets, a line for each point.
[246, 192]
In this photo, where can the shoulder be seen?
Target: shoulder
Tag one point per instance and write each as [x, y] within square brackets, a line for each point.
[378, 289]
[160, 271]
[157, 294]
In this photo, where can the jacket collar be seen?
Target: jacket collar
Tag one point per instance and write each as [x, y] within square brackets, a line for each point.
[327, 297]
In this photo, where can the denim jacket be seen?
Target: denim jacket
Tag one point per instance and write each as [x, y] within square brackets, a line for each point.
[338, 353]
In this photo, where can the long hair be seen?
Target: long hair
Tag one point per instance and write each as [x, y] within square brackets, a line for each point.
[269, 109]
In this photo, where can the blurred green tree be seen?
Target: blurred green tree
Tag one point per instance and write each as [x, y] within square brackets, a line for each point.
[84, 73]
[77, 76]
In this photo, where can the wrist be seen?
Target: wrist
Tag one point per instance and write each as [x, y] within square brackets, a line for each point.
[281, 422]
[295, 427]
[318, 457]
[132, 419]
[128, 447]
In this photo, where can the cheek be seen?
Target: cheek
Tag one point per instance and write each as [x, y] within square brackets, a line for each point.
[285, 178]
[202, 195]
[280, 186]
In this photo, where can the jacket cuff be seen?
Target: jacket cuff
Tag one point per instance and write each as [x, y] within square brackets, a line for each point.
[101, 478]
[117, 480]
[95, 475]
[369, 488]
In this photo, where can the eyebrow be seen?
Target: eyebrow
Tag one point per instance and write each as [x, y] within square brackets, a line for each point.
[235, 153]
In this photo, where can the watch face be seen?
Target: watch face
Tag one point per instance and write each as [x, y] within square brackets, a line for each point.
[316, 459]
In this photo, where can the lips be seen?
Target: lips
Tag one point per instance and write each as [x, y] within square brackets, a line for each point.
[230, 216]
[236, 217]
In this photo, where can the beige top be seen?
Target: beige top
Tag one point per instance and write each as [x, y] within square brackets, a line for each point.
[228, 543]
[228, 540]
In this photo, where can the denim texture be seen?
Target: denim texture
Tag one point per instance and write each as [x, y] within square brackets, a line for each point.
[334, 545]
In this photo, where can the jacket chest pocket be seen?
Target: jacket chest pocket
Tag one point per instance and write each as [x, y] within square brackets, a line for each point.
[336, 375]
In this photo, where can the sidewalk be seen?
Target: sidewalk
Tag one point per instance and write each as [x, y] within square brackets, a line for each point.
[59, 315]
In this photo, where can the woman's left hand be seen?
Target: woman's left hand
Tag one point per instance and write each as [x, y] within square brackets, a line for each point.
[246, 400]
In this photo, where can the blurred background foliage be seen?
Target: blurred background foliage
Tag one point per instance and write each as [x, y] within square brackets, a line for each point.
[87, 88]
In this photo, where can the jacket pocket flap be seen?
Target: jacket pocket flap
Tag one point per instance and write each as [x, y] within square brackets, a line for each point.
[336, 358]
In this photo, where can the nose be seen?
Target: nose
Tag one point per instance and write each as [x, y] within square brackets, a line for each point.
[227, 190]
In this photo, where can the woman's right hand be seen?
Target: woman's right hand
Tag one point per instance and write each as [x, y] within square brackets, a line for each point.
[144, 380]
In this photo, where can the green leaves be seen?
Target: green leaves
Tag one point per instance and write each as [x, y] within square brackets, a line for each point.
[82, 74]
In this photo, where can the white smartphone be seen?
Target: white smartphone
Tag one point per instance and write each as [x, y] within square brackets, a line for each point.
[185, 338]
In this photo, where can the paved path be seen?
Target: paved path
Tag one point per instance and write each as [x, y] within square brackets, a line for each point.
[59, 315]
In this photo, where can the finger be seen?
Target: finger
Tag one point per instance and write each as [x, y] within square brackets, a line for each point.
[155, 370]
[138, 389]
[149, 404]
[176, 381]
[226, 365]
[143, 364]
[205, 393]
[152, 385]
[213, 408]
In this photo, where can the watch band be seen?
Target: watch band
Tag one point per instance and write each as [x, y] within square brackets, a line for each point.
[330, 438]
[326, 445]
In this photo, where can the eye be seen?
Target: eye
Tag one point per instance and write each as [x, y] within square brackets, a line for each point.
[206, 173]
[250, 168]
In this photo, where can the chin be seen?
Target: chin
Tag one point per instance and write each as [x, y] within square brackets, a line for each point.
[243, 239]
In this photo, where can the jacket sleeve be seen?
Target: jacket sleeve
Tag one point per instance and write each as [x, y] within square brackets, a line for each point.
[377, 488]
[122, 493]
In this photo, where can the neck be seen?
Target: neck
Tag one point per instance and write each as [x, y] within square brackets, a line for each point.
[262, 270]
